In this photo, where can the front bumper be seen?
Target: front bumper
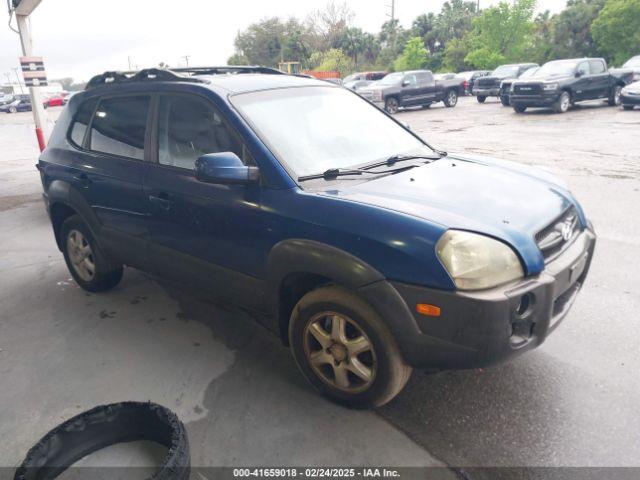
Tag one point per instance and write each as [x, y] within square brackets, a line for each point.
[632, 100]
[478, 329]
[539, 100]
[486, 92]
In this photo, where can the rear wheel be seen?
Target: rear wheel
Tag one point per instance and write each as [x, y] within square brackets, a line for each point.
[451, 99]
[563, 103]
[615, 96]
[345, 350]
[85, 260]
[481, 99]
[13, 109]
[391, 105]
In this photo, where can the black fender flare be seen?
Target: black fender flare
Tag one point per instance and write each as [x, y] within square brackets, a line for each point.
[294, 256]
[61, 192]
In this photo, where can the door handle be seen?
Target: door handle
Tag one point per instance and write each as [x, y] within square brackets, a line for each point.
[162, 200]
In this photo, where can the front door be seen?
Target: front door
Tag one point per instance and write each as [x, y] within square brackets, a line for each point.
[204, 235]
[410, 90]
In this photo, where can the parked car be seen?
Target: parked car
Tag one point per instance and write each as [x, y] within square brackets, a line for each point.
[562, 83]
[489, 86]
[20, 103]
[369, 76]
[630, 96]
[56, 100]
[6, 99]
[632, 64]
[470, 78]
[413, 88]
[357, 84]
[505, 86]
[365, 249]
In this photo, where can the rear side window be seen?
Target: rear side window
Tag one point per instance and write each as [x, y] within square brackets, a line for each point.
[597, 66]
[189, 127]
[81, 121]
[425, 78]
[119, 126]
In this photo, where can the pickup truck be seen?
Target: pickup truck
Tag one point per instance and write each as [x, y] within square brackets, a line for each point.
[562, 83]
[414, 88]
[489, 86]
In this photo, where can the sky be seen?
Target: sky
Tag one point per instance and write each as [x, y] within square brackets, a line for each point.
[81, 38]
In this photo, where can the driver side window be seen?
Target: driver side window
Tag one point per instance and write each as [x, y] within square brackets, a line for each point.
[411, 80]
[583, 68]
[189, 127]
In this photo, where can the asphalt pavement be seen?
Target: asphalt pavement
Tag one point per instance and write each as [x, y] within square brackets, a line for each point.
[571, 403]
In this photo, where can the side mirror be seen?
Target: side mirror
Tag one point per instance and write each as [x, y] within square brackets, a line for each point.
[406, 83]
[579, 74]
[225, 168]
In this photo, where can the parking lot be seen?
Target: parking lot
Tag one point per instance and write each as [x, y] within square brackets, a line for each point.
[573, 402]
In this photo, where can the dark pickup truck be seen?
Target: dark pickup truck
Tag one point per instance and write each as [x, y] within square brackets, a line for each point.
[489, 86]
[414, 88]
[562, 83]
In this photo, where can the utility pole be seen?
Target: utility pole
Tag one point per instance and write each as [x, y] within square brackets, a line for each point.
[393, 23]
[22, 10]
[186, 59]
[15, 69]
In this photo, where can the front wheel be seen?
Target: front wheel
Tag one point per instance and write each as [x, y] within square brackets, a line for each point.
[505, 101]
[615, 97]
[345, 350]
[13, 109]
[391, 105]
[85, 260]
[520, 108]
[563, 103]
[481, 99]
[451, 99]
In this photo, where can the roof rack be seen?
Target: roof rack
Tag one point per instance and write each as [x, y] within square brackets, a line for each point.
[184, 74]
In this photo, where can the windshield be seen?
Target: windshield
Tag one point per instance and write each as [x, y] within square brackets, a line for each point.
[634, 62]
[505, 71]
[557, 68]
[392, 79]
[313, 129]
[529, 73]
[351, 78]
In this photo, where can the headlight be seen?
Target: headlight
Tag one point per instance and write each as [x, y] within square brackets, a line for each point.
[477, 262]
[550, 86]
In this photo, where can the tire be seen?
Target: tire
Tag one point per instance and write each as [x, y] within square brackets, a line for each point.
[627, 107]
[563, 103]
[615, 99]
[451, 99]
[13, 110]
[358, 328]
[85, 259]
[391, 105]
[520, 108]
[107, 425]
[505, 101]
[481, 99]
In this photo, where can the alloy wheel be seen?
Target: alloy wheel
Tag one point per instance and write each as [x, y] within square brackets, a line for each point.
[565, 102]
[453, 98]
[81, 255]
[617, 96]
[392, 105]
[339, 352]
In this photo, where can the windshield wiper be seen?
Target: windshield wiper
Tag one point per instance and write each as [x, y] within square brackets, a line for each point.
[332, 173]
[391, 161]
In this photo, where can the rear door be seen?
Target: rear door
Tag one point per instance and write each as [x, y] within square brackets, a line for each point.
[427, 87]
[582, 85]
[204, 235]
[599, 79]
[109, 170]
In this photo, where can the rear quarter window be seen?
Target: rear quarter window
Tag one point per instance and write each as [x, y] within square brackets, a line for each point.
[81, 122]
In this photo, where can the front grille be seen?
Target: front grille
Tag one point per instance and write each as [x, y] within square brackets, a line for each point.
[558, 235]
[528, 89]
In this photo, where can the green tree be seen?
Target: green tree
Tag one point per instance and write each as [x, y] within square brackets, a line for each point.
[413, 57]
[454, 20]
[353, 43]
[335, 60]
[237, 59]
[571, 29]
[455, 54]
[502, 33]
[617, 29]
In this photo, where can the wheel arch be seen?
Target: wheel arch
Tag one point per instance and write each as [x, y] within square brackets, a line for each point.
[298, 266]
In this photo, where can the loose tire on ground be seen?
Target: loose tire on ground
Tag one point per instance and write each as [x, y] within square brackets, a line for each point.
[345, 350]
[107, 425]
[85, 260]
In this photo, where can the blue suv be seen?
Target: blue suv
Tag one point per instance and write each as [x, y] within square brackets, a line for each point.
[369, 252]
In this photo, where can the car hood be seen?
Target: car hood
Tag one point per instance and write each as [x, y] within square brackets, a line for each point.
[543, 79]
[505, 200]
